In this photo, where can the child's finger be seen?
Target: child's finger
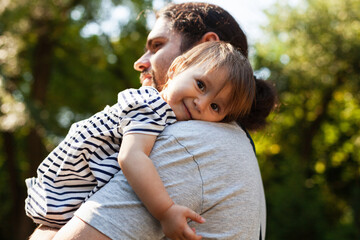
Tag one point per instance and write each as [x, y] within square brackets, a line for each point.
[189, 234]
[195, 216]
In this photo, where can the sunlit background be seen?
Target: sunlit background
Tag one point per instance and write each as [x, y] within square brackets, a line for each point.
[249, 14]
[63, 60]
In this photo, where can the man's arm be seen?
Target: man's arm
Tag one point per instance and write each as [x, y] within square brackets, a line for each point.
[76, 229]
[43, 233]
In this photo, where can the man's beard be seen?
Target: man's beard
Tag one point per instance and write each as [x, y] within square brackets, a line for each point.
[145, 74]
[153, 78]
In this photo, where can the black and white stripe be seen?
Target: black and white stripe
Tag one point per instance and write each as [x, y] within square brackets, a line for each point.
[87, 158]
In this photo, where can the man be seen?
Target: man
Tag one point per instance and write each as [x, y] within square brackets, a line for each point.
[208, 167]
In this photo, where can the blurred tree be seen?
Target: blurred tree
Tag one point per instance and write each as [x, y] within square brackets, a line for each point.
[53, 72]
[310, 160]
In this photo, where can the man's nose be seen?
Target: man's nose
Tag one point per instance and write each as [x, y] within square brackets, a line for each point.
[143, 63]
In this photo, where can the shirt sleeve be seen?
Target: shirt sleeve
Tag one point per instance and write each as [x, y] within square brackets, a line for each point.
[143, 111]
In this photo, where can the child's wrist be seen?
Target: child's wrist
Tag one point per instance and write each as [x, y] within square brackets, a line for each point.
[162, 214]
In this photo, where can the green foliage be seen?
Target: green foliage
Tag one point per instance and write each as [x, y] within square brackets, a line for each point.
[52, 75]
[310, 159]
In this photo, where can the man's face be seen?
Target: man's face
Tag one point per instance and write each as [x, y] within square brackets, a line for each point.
[162, 47]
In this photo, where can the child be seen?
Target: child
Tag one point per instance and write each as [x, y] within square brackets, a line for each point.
[211, 82]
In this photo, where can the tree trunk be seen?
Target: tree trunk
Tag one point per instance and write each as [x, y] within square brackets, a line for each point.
[36, 150]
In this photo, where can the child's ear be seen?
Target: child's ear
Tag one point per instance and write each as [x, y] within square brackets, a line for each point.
[171, 72]
[174, 66]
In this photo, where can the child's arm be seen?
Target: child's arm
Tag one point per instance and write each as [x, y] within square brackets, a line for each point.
[144, 179]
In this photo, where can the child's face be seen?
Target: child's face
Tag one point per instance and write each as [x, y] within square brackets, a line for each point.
[194, 94]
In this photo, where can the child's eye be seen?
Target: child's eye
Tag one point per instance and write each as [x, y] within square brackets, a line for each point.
[200, 85]
[215, 107]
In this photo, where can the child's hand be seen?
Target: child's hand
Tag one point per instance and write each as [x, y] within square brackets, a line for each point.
[174, 223]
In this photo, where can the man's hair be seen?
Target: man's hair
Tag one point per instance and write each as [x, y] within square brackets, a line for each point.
[194, 19]
[215, 55]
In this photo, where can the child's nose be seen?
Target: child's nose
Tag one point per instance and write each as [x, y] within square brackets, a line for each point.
[201, 103]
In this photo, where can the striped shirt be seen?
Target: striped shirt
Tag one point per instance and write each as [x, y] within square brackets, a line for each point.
[87, 158]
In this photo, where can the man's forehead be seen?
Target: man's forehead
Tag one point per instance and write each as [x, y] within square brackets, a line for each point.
[161, 29]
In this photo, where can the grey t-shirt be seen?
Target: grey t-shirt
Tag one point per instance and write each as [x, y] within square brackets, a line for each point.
[208, 167]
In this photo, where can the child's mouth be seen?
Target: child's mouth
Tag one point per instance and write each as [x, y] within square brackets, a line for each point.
[188, 112]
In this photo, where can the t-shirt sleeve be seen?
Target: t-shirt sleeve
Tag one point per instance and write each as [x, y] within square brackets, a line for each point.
[143, 111]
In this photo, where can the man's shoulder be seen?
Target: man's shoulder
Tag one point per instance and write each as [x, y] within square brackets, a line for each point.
[200, 134]
[202, 128]
[199, 137]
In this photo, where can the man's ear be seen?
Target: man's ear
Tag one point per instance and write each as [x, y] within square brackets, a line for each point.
[209, 36]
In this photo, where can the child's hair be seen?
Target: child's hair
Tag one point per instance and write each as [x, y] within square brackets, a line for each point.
[215, 55]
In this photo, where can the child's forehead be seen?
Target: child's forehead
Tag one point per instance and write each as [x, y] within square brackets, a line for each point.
[216, 79]
[209, 67]
[219, 73]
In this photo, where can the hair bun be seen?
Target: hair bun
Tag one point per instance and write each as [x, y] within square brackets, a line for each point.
[264, 103]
